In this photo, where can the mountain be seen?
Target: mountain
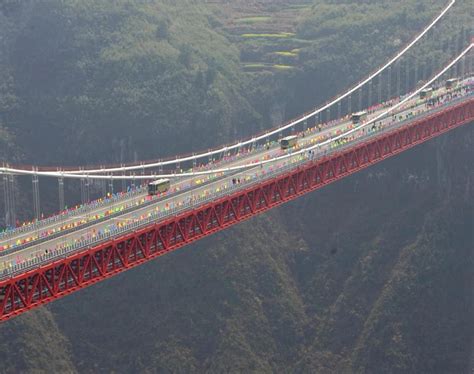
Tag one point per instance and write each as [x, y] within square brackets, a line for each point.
[373, 274]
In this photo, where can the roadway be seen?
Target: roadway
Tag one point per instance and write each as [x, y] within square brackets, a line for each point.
[200, 188]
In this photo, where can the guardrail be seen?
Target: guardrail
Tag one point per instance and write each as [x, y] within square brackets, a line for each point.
[5, 235]
[35, 226]
[159, 216]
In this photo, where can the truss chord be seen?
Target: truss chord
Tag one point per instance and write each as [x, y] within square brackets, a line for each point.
[102, 261]
[36, 197]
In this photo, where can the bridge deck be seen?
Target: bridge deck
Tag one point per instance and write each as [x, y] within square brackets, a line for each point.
[59, 244]
[48, 282]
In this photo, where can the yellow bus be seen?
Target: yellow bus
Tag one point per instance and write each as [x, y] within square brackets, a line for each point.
[158, 186]
[359, 117]
[451, 83]
[426, 93]
[288, 142]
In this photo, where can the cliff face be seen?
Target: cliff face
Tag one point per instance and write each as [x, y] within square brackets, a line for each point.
[397, 294]
[34, 343]
[372, 274]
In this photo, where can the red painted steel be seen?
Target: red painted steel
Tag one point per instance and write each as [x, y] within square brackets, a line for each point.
[60, 278]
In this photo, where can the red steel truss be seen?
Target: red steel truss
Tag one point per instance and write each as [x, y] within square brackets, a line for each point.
[60, 278]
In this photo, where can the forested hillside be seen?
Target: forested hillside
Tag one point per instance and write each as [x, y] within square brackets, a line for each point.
[373, 274]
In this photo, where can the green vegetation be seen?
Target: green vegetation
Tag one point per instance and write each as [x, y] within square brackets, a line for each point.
[372, 275]
[259, 41]
[257, 65]
[252, 20]
[287, 53]
[304, 6]
[121, 65]
[43, 347]
[279, 35]
[282, 67]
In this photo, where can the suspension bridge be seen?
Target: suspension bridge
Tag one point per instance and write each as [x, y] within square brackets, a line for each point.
[49, 258]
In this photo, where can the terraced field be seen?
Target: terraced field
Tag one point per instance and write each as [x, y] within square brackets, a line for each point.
[264, 31]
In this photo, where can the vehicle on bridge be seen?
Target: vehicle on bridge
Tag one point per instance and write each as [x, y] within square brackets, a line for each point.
[451, 83]
[359, 117]
[158, 186]
[288, 142]
[426, 93]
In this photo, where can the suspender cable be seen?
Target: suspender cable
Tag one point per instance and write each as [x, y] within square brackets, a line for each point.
[36, 197]
[87, 190]
[370, 95]
[124, 183]
[415, 68]
[83, 192]
[246, 166]
[111, 186]
[62, 205]
[407, 76]
[380, 89]
[398, 78]
[12, 200]
[7, 201]
[463, 67]
[458, 46]
[389, 83]
[303, 150]
[470, 58]
[275, 131]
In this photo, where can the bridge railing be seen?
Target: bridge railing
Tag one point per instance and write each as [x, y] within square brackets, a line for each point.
[33, 226]
[98, 204]
[155, 217]
[90, 209]
[192, 203]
